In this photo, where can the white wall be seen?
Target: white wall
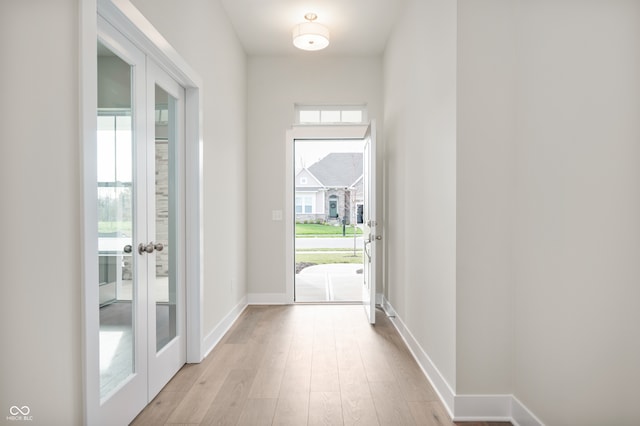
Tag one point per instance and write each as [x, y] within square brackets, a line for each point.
[275, 84]
[201, 33]
[541, 298]
[486, 125]
[577, 211]
[40, 285]
[548, 206]
[420, 165]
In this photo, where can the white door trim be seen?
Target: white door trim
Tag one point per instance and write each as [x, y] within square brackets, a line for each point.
[305, 132]
[131, 23]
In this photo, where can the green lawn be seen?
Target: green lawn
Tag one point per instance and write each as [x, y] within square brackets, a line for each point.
[115, 226]
[324, 258]
[314, 229]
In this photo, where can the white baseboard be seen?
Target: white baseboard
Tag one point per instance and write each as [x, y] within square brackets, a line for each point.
[463, 407]
[521, 415]
[268, 299]
[494, 408]
[213, 338]
[487, 408]
[438, 382]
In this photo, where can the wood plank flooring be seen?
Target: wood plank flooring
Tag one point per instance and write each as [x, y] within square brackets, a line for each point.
[302, 365]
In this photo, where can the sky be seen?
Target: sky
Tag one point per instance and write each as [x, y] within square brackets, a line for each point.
[308, 152]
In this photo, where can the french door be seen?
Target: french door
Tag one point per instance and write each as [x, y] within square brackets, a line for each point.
[140, 142]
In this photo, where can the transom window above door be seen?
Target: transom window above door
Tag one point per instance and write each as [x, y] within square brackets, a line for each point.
[330, 114]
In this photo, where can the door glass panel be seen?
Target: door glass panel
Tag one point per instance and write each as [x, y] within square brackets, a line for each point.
[115, 220]
[165, 270]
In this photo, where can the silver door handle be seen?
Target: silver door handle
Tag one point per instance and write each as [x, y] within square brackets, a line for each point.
[149, 248]
[127, 248]
[142, 248]
[372, 237]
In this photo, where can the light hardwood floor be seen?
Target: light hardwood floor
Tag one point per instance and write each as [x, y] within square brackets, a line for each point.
[302, 365]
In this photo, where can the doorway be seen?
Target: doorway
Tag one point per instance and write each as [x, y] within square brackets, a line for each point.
[328, 238]
[365, 133]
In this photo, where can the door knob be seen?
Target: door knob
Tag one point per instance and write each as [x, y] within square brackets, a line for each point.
[142, 249]
[127, 248]
[149, 248]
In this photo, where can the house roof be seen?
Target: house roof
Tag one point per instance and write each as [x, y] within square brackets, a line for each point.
[338, 169]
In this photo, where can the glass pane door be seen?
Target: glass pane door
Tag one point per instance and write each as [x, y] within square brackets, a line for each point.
[115, 220]
[165, 213]
[165, 203]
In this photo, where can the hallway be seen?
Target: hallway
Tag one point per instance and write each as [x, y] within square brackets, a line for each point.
[297, 365]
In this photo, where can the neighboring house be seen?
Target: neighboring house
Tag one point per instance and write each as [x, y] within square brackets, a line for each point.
[330, 190]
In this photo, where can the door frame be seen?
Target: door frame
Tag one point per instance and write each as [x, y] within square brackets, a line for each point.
[132, 24]
[305, 132]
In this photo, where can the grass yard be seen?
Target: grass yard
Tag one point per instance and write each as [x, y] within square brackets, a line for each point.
[325, 258]
[315, 229]
[115, 226]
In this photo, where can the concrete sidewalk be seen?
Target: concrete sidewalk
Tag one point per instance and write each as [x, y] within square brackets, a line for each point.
[331, 282]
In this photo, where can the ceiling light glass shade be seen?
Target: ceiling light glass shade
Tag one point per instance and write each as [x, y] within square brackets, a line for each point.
[310, 36]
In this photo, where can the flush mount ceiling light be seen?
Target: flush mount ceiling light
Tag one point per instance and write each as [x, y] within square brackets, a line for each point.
[310, 35]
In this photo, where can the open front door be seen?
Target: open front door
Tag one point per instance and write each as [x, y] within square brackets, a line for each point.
[369, 219]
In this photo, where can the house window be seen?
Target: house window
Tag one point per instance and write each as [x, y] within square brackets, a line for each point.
[336, 114]
[304, 204]
[114, 171]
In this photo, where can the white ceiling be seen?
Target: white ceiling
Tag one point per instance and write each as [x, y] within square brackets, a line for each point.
[358, 27]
